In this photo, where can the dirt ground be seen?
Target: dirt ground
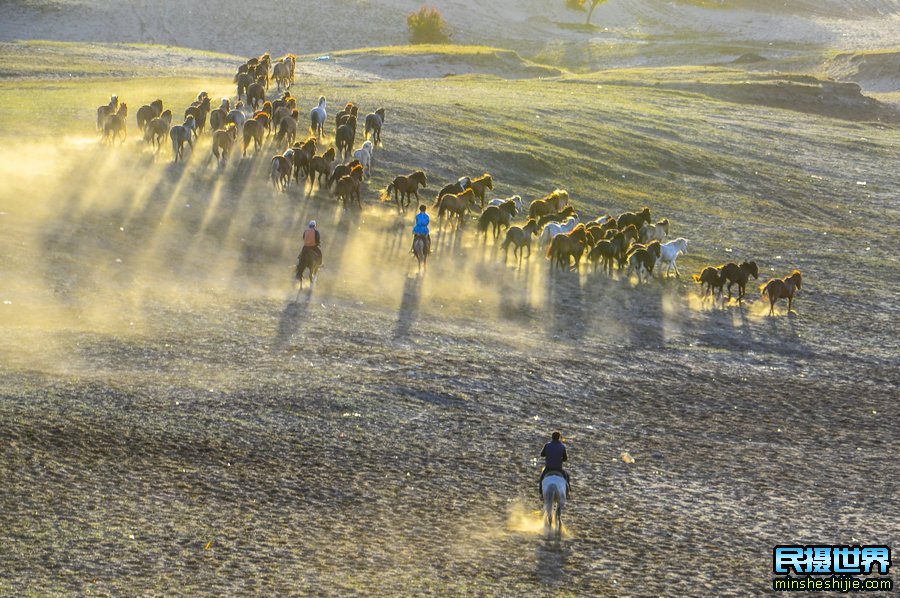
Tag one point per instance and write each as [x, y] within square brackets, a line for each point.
[175, 417]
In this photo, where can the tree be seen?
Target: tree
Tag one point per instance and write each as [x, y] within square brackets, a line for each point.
[588, 5]
[427, 26]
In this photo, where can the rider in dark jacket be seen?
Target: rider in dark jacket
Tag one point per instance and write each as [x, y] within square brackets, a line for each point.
[554, 453]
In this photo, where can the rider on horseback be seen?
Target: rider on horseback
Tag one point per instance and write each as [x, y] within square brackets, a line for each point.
[421, 230]
[554, 453]
[311, 241]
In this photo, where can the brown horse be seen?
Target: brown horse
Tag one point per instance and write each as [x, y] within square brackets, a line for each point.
[404, 186]
[374, 122]
[287, 129]
[782, 288]
[341, 170]
[496, 217]
[520, 237]
[565, 246]
[635, 218]
[642, 259]
[605, 253]
[348, 186]
[479, 185]
[321, 166]
[303, 153]
[622, 241]
[739, 275]
[281, 170]
[222, 142]
[713, 279]
[253, 131]
[106, 110]
[550, 204]
[115, 124]
[148, 112]
[199, 110]
[157, 129]
[310, 259]
[456, 204]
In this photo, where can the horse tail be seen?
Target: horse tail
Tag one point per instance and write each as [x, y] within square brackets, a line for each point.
[696, 278]
[386, 194]
[764, 288]
[275, 170]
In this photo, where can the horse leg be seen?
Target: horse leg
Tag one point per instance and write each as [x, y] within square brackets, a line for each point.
[790, 302]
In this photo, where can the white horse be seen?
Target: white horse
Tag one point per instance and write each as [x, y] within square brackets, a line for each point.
[554, 490]
[317, 118]
[520, 208]
[364, 155]
[555, 228]
[668, 253]
[237, 117]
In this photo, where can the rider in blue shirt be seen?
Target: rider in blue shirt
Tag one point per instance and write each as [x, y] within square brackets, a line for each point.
[554, 453]
[421, 229]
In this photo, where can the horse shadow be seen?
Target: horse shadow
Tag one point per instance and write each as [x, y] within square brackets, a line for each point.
[408, 313]
[551, 556]
[293, 314]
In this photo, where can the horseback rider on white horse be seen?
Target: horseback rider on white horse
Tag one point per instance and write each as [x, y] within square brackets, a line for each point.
[554, 453]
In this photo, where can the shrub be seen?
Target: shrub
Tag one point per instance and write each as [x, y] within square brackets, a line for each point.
[427, 26]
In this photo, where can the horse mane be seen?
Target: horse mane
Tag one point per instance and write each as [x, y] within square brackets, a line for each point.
[331, 151]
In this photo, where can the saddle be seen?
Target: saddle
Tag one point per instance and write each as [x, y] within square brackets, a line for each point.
[554, 472]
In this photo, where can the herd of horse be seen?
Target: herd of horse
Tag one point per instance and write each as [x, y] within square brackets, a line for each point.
[630, 242]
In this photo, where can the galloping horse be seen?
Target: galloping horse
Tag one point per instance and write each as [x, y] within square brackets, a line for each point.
[668, 253]
[603, 252]
[404, 186]
[148, 112]
[181, 133]
[317, 118]
[200, 111]
[520, 236]
[480, 184]
[733, 273]
[364, 155]
[563, 247]
[458, 187]
[516, 199]
[106, 110]
[456, 204]
[157, 129]
[556, 228]
[782, 288]
[281, 170]
[223, 141]
[550, 204]
[253, 131]
[713, 279]
[420, 253]
[321, 166]
[310, 259]
[115, 124]
[635, 218]
[553, 488]
[497, 216]
[374, 121]
[655, 232]
[643, 259]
